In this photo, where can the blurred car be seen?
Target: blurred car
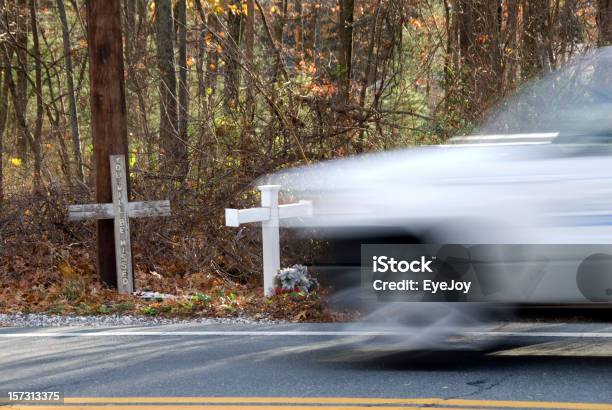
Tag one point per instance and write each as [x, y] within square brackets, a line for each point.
[535, 179]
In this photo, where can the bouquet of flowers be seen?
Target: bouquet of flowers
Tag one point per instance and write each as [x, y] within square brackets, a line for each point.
[294, 279]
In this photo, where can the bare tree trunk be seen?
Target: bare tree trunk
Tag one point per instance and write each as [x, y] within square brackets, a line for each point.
[3, 118]
[569, 26]
[183, 92]
[201, 59]
[480, 53]
[511, 42]
[359, 146]
[248, 128]
[535, 19]
[74, 119]
[21, 50]
[54, 114]
[249, 41]
[212, 59]
[232, 56]
[279, 28]
[604, 22]
[449, 27]
[130, 10]
[4, 95]
[168, 124]
[137, 15]
[19, 115]
[207, 84]
[210, 27]
[310, 34]
[345, 29]
[369, 55]
[130, 47]
[36, 140]
[298, 28]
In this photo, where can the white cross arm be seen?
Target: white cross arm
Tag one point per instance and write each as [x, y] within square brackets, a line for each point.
[299, 210]
[236, 217]
[106, 211]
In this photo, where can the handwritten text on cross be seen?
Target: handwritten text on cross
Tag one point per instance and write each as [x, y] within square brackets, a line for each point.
[120, 210]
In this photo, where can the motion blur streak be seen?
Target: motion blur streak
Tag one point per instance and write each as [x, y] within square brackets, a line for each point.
[537, 172]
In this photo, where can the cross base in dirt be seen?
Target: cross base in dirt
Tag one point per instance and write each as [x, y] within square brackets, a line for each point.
[120, 210]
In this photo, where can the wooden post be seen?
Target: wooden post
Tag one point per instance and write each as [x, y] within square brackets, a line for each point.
[108, 116]
[270, 236]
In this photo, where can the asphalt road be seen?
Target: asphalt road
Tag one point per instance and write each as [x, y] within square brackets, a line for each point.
[254, 365]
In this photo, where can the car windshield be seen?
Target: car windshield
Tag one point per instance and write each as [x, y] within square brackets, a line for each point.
[575, 102]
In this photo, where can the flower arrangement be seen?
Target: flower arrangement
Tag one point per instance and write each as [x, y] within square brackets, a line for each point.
[294, 279]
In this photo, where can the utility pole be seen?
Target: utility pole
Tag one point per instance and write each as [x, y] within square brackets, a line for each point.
[108, 116]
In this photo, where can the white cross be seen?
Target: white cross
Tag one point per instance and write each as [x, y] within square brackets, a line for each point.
[269, 215]
[120, 210]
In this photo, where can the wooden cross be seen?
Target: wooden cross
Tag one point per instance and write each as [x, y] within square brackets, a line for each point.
[120, 210]
[269, 215]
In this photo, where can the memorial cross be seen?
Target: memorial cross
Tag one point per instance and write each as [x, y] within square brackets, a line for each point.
[269, 215]
[120, 210]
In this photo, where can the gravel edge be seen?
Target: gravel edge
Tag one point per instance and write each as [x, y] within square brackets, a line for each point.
[44, 320]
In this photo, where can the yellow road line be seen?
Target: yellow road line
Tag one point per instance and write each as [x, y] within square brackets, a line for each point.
[253, 400]
[297, 403]
[347, 400]
[561, 348]
[226, 407]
